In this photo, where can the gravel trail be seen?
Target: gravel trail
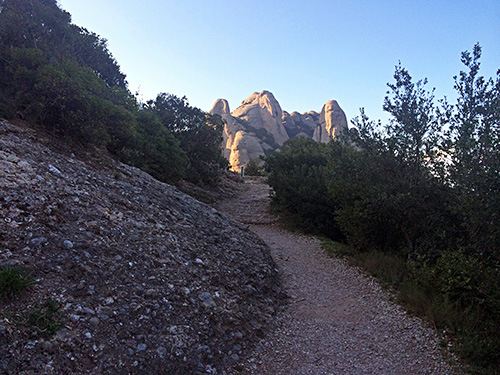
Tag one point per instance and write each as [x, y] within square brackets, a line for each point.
[338, 320]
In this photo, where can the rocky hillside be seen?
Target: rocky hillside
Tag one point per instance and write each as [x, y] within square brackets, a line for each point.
[130, 276]
[259, 126]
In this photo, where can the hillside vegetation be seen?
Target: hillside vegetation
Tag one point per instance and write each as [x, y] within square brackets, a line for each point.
[64, 78]
[417, 201]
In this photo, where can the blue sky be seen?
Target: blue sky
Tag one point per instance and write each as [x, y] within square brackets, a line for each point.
[304, 52]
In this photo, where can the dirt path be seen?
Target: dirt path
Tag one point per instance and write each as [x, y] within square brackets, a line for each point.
[338, 321]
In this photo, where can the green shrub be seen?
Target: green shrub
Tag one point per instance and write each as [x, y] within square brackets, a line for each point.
[298, 176]
[64, 78]
[155, 150]
[460, 295]
[13, 280]
[44, 321]
[421, 296]
[253, 168]
[198, 133]
[413, 218]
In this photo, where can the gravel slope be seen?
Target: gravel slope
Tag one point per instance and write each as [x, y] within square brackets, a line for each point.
[142, 279]
[338, 320]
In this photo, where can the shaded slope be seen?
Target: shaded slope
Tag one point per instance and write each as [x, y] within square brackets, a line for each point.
[147, 279]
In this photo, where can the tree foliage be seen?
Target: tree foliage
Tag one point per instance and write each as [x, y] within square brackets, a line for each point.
[199, 135]
[413, 127]
[299, 181]
[64, 77]
[474, 142]
[57, 74]
[425, 188]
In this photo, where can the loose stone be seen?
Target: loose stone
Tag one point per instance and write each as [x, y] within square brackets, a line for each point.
[207, 300]
[162, 352]
[68, 244]
[39, 241]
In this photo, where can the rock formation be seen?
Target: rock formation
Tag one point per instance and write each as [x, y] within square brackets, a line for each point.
[259, 126]
[240, 145]
[332, 121]
[298, 125]
[262, 111]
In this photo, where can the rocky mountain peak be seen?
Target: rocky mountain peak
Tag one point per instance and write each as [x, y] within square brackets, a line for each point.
[264, 100]
[262, 111]
[220, 107]
[259, 126]
[332, 120]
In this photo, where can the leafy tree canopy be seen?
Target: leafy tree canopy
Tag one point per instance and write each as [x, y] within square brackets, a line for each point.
[64, 77]
[199, 134]
[425, 188]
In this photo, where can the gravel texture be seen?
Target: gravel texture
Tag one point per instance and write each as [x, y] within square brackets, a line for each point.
[338, 320]
[141, 278]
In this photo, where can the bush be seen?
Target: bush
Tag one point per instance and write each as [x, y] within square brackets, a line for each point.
[253, 168]
[393, 198]
[199, 135]
[153, 149]
[461, 295]
[63, 77]
[298, 176]
[13, 280]
[44, 322]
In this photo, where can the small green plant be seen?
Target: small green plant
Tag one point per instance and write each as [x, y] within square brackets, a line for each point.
[43, 322]
[13, 280]
[253, 168]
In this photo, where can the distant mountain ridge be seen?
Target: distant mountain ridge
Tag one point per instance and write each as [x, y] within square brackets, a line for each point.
[259, 126]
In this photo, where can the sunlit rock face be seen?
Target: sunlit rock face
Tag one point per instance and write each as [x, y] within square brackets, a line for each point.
[262, 111]
[332, 122]
[254, 129]
[231, 127]
[259, 126]
[245, 147]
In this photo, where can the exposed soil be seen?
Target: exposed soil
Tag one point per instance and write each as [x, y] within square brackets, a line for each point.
[338, 320]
